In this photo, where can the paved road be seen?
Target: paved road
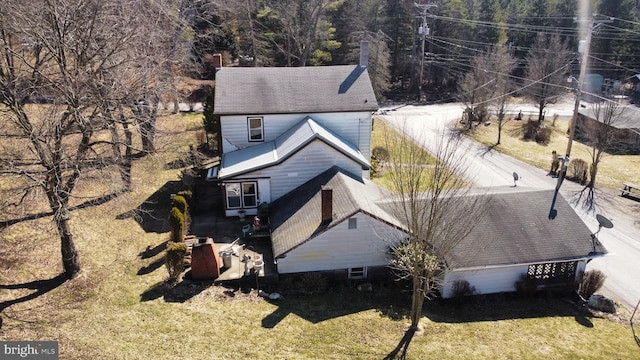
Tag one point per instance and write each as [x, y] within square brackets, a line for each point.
[490, 168]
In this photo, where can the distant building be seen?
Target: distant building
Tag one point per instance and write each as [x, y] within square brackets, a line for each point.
[626, 129]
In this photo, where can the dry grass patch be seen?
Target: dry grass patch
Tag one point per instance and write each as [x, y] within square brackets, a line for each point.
[384, 136]
[116, 308]
[613, 169]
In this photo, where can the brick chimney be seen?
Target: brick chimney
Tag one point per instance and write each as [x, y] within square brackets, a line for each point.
[327, 204]
[217, 61]
[364, 53]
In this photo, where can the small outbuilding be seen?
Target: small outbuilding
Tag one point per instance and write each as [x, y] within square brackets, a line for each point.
[518, 237]
[623, 130]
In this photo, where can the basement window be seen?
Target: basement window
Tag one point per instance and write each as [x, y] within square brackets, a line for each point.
[358, 273]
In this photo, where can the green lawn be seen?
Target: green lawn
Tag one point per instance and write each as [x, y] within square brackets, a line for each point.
[116, 308]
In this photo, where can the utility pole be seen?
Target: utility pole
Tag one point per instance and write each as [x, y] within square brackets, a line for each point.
[423, 31]
[592, 25]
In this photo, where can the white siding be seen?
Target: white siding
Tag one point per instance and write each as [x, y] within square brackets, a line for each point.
[354, 127]
[491, 280]
[302, 166]
[485, 281]
[343, 248]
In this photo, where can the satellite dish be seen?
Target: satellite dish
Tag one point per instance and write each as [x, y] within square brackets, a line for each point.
[515, 176]
[604, 222]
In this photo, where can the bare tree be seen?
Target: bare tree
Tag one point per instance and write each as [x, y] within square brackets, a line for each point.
[258, 28]
[435, 204]
[67, 55]
[305, 32]
[159, 53]
[503, 64]
[601, 136]
[476, 88]
[546, 73]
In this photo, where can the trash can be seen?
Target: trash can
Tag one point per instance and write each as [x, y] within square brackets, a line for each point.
[226, 259]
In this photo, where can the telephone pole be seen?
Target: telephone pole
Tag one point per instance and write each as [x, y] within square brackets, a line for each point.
[584, 52]
[423, 31]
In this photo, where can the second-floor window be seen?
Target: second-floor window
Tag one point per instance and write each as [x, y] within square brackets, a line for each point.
[256, 129]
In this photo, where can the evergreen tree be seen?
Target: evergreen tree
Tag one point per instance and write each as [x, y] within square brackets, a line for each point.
[490, 30]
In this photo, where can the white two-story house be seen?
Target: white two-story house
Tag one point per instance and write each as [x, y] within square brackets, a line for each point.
[299, 139]
[281, 127]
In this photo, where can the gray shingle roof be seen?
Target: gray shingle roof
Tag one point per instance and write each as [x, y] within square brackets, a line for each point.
[273, 152]
[517, 229]
[629, 118]
[296, 217]
[285, 90]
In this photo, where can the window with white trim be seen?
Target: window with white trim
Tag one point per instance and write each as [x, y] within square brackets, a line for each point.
[249, 195]
[256, 129]
[242, 195]
[233, 196]
[358, 273]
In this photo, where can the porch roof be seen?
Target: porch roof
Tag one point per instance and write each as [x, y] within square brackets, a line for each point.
[274, 152]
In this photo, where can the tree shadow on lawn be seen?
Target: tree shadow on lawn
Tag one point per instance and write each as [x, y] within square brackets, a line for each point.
[178, 293]
[507, 306]
[400, 351]
[153, 213]
[334, 303]
[316, 309]
[150, 252]
[89, 203]
[396, 306]
[41, 287]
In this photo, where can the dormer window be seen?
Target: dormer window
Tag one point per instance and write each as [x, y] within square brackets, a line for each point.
[256, 128]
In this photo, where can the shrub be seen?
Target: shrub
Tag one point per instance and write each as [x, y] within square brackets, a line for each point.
[529, 130]
[312, 283]
[578, 170]
[534, 130]
[186, 194]
[526, 285]
[462, 288]
[180, 203]
[373, 172]
[174, 260]
[543, 135]
[380, 153]
[176, 224]
[590, 282]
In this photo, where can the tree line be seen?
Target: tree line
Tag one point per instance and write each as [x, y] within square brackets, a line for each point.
[452, 33]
